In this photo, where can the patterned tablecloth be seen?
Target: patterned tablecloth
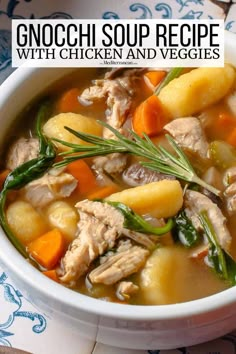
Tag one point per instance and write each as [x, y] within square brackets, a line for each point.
[21, 324]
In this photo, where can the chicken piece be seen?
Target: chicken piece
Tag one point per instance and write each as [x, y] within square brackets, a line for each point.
[230, 190]
[51, 186]
[125, 289]
[118, 94]
[229, 180]
[189, 135]
[120, 265]
[22, 151]
[99, 227]
[103, 212]
[112, 164]
[196, 202]
[230, 195]
[231, 204]
[137, 175]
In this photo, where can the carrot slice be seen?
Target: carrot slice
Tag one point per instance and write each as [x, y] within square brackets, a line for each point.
[84, 175]
[149, 117]
[68, 102]
[103, 192]
[225, 121]
[47, 249]
[3, 176]
[52, 274]
[232, 138]
[155, 77]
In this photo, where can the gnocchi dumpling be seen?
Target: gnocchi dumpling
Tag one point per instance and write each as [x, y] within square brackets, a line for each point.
[54, 128]
[26, 223]
[194, 91]
[64, 217]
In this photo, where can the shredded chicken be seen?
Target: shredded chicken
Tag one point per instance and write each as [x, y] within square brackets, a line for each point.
[51, 186]
[126, 289]
[196, 202]
[113, 163]
[229, 180]
[98, 228]
[119, 265]
[22, 151]
[118, 93]
[188, 133]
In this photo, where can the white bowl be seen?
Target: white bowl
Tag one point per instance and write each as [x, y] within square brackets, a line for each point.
[137, 327]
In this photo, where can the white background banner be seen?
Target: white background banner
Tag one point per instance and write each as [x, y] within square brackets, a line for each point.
[116, 43]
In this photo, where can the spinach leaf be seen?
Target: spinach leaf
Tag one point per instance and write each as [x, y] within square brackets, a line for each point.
[133, 221]
[223, 264]
[185, 231]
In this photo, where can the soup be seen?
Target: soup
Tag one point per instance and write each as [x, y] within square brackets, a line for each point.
[122, 185]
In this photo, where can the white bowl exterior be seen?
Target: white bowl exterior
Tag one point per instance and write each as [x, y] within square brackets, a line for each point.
[138, 327]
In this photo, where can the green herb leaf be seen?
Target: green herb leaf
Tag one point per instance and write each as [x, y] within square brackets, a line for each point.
[185, 231]
[135, 222]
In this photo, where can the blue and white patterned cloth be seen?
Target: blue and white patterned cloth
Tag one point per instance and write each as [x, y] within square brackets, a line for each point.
[21, 324]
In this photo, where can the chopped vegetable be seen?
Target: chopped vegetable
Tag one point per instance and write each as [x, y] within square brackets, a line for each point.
[149, 117]
[158, 158]
[52, 274]
[222, 154]
[135, 222]
[186, 232]
[103, 192]
[222, 126]
[225, 121]
[232, 138]
[84, 175]
[155, 77]
[68, 102]
[47, 249]
[161, 199]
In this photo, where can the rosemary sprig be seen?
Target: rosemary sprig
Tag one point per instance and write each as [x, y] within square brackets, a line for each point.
[157, 157]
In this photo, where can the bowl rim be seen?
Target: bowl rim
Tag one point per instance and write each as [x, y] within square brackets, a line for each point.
[32, 278]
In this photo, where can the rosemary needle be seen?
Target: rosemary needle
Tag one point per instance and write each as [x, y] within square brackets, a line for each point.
[157, 158]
